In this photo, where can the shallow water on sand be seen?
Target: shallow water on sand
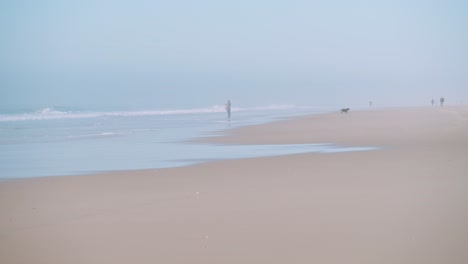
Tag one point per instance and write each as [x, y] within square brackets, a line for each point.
[81, 143]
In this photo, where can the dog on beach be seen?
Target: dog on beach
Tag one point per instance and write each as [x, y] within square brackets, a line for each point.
[344, 110]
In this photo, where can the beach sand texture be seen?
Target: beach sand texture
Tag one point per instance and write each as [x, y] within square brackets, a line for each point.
[403, 203]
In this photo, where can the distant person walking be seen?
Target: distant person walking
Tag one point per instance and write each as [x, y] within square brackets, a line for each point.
[228, 108]
[442, 100]
[432, 102]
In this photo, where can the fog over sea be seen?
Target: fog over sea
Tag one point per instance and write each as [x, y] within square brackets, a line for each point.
[59, 141]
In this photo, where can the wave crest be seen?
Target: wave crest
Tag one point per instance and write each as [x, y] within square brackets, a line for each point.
[49, 113]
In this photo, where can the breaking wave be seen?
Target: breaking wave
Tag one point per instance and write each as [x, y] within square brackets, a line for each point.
[50, 113]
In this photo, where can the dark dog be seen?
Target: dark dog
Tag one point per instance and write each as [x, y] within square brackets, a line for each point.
[344, 110]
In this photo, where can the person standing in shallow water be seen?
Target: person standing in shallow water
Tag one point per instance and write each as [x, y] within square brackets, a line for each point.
[432, 102]
[228, 108]
[442, 101]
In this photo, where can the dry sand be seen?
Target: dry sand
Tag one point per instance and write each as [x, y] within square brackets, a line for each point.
[405, 203]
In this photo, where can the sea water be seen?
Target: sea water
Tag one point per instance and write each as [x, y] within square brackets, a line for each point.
[62, 141]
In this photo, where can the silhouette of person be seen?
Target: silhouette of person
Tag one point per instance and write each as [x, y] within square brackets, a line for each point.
[228, 108]
[370, 103]
[432, 102]
[442, 101]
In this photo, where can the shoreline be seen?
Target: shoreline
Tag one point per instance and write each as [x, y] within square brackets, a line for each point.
[404, 203]
[348, 129]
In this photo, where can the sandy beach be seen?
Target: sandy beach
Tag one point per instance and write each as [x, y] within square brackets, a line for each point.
[403, 203]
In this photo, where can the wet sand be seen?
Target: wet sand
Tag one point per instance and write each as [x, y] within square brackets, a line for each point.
[404, 203]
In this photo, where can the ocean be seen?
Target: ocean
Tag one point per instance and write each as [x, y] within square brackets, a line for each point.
[60, 141]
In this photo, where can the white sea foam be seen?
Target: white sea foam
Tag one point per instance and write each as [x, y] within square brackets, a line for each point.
[97, 135]
[50, 113]
[108, 134]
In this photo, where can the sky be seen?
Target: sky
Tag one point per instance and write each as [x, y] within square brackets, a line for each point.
[183, 54]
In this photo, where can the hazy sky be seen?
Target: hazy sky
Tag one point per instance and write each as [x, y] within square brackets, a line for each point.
[173, 54]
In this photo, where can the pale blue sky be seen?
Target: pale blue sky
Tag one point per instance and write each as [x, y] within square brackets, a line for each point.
[177, 54]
